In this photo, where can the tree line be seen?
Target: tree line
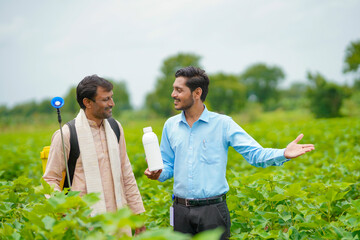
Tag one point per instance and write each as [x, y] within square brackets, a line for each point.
[33, 108]
[259, 83]
[232, 93]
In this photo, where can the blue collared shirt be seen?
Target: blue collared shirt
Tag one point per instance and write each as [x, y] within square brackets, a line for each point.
[197, 156]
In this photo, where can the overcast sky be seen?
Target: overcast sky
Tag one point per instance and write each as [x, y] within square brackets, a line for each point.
[48, 46]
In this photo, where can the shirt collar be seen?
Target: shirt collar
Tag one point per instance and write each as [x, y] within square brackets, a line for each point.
[204, 116]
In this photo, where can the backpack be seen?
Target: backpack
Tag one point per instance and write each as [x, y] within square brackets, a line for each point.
[74, 150]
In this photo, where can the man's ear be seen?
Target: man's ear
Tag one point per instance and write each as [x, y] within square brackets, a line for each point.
[87, 102]
[197, 93]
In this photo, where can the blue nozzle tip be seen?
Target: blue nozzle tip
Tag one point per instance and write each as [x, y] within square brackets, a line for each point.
[57, 102]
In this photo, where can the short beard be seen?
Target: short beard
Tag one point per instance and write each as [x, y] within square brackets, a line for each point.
[186, 107]
[104, 115]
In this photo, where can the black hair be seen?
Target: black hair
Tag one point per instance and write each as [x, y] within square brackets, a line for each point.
[88, 86]
[195, 77]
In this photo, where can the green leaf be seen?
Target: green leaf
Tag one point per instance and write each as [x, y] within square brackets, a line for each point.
[73, 193]
[57, 199]
[162, 234]
[270, 216]
[281, 207]
[35, 219]
[277, 198]
[48, 222]
[294, 190]
[7, 230]
[252, 193]
[16, 236]
[356, 204]
[342, 233]
[46, 187]
[286, 217]
[91, 198]
[209, 234]
[279, 190]
[244, 213]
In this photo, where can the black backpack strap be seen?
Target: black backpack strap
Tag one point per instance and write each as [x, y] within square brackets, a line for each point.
[115, 127]
[74, 152]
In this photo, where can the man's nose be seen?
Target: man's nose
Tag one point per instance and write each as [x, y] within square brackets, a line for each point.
[112, 103]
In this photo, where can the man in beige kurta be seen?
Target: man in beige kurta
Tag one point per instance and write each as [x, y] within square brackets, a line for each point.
[95, 109]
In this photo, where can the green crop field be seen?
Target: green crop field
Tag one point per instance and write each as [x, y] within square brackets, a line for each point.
[316, 196]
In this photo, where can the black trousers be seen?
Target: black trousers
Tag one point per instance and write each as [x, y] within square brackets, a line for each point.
[200, 218]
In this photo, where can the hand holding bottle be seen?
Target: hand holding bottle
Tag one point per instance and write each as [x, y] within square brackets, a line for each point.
[153, 175]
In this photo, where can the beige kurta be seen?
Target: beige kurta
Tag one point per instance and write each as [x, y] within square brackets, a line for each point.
[55, 166]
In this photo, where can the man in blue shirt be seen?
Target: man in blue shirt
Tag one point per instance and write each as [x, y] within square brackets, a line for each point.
[194, 148]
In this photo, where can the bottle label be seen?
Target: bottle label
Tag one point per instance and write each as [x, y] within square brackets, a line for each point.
[153, 156]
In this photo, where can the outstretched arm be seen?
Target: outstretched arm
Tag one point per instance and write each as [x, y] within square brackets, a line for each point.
[294, 149]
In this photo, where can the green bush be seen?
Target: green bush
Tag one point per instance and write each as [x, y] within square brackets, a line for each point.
[325, 97]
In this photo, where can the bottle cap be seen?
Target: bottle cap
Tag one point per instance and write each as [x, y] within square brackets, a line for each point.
[147, 129]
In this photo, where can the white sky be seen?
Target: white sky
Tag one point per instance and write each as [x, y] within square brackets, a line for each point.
[48, 46]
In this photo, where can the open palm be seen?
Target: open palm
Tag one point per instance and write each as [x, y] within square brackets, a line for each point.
[294, 149]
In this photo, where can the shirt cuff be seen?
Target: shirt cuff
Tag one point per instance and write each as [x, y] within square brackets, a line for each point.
[280, 159]
[163, 176]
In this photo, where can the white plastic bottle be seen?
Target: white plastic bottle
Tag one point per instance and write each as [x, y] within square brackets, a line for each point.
[152, 150]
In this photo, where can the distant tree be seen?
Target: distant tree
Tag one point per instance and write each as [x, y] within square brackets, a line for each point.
[294, 97]
[297, 90]
[357, 85]
[159, 100]
[352, 57]
[24, 109]
[325, 97]
[29, 109]
[226, 94]
[3, 110]
[352, 62]
[70, 103]
[262, 82]
[45, 107]
[121, 96]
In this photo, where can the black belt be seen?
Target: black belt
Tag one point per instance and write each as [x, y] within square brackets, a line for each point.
[200, 201]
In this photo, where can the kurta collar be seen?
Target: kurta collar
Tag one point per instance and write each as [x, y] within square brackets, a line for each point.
[94, 125]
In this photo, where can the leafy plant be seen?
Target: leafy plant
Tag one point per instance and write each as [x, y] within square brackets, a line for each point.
[315, 196]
